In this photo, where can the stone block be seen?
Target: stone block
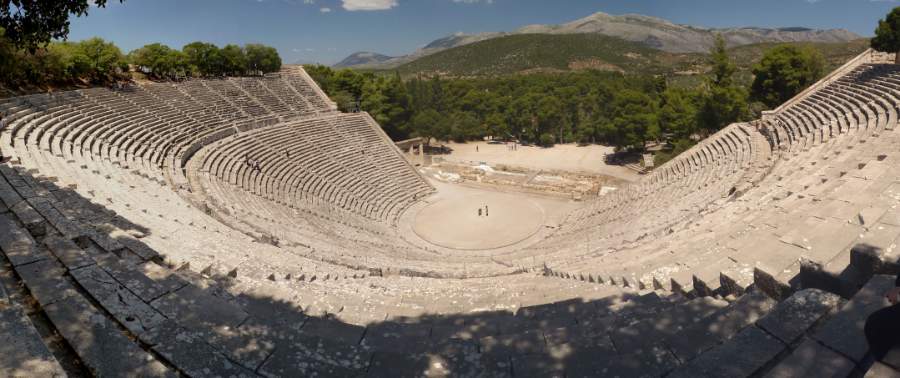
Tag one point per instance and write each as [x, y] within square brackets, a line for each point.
[17, 244]
[792, 317]
[298, 354]
[880, 370]
[135, 315]
[843, 332]
[103, 348]
[45, 281]
[812, 359]
[742, 356]
[197, 309]
[767, 283]
[30, 218]
[190, 353]
[22, 352]
[68, 253]
[148, 281]
[720, 326]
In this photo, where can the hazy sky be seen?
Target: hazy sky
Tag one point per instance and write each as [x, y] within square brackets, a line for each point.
[326, 31]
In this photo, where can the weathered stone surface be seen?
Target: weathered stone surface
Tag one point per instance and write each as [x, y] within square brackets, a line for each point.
[22, 352]
[397, 336]
[17, 244]
[648, 332]
[197, 309]
[148, 281]
[844, 331]
[812, 359]
[770, 285]
[135, 315]
[103, 348]
[299, 354]
[596, 362]
[792, 317]
[190, 354]
[68, 253]
[741, 356]
[708, 332]
[333, 330]
[30, 218]
[45, 281]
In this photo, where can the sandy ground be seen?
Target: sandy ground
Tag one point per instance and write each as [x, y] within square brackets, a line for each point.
[564, 157]
[451, 217]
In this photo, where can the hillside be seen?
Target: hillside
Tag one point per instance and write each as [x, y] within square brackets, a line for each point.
[528, 53]
[542, 53]
[649, 31]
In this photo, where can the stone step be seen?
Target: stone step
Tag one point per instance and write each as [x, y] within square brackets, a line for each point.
[705, 334]
[23, 352]
[843, 332]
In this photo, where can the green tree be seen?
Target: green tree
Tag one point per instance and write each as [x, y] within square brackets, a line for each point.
[98, 59]
[426, 124]
[633, 121]
[30, 24]
[723, 102]
[723, 68]
[160, 61]
[723, 106]
[234, 62]
[887, 34]
[262, 59]
[678, 113]
[204, 58]
[785, 71]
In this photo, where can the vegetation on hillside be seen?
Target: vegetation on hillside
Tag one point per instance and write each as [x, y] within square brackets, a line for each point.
[589, 106]
[541, 53]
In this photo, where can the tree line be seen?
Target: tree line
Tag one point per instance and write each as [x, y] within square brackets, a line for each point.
[97, 61]
[625, 111]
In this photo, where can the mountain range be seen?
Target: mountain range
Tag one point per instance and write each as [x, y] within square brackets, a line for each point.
[652, 32]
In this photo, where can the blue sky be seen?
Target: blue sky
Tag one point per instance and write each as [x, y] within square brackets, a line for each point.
[326, 31]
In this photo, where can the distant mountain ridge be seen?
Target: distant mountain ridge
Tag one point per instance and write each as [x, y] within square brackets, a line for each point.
[650, 31]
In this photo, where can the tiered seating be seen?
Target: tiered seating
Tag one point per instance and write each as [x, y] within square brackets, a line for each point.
[300, 266]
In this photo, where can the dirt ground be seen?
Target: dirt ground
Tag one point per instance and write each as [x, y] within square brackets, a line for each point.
[564, 157]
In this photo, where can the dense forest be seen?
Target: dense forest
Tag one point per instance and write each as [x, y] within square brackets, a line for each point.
[590, 106]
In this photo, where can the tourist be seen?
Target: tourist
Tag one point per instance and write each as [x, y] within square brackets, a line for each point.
[486, 210]
[479, 211]
[883, 326]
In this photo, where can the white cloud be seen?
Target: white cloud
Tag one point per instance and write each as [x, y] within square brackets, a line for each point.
[325, 10]
[368, 5]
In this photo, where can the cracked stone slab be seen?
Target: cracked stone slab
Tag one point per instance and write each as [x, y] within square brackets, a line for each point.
[103, 348]
[135, 315]
[23, 352]
[148, 281]
[792, 317]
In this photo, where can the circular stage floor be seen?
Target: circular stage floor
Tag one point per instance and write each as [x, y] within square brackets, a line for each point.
[453, 221]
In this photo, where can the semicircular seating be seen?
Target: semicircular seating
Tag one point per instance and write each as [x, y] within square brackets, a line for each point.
[243, 226]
